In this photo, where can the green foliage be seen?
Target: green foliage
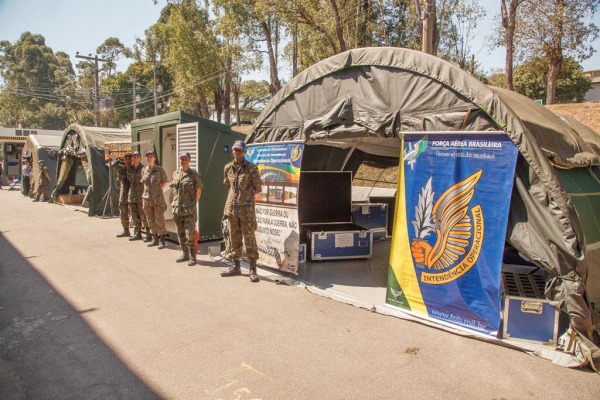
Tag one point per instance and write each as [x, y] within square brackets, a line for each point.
[572, 84]
[35, 82]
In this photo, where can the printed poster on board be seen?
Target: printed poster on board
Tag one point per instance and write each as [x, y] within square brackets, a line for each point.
[277, 233]
[447, 247]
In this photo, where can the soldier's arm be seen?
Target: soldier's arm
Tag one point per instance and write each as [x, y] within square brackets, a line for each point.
[225, 180]
[164, 180]
[198, 184]
[256, 181]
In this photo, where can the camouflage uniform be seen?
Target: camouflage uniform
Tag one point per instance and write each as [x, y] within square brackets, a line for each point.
[242, 181]
[154, 201]
[42, 184]
[123, 196]
[136, 188]
[184, 186]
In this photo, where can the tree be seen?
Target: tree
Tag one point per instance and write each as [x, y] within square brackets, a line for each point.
[509, 18]
[571, 84]
[111, 50]
[189, 47]
[257, 22]
[555, 29]
[458, 24]
[35, 83]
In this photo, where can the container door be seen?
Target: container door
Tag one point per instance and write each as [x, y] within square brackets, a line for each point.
[187, 140]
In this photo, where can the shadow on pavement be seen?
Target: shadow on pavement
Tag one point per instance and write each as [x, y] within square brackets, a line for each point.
[47, 350]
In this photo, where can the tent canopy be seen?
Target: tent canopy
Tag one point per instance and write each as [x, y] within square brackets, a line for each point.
[84, 145]
[364, 99]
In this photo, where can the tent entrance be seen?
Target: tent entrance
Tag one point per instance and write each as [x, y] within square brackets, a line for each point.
[374, 180]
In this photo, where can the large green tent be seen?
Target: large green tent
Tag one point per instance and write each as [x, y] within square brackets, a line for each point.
[353, 108]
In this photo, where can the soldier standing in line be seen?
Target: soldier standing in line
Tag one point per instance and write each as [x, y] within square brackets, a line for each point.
[155, 180]
[123, 195]
[187, 189]
[243, 180]
[42, 182]
[136, 188]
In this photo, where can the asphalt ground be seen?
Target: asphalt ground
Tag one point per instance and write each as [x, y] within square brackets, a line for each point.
[84, 315]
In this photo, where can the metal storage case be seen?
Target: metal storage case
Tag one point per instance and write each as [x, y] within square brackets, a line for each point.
[373, 216]
[326, 217]
[209, 144]
[526, 313]
[338, 241]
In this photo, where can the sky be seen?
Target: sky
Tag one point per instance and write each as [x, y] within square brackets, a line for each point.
[82, 25]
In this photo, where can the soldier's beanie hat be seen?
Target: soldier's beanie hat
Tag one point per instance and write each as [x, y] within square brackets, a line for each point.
[185, 154]
[239, 144]
[150, 152]
[136, 153]
[127, 155]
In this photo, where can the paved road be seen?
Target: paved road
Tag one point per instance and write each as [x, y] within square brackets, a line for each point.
[84, 315]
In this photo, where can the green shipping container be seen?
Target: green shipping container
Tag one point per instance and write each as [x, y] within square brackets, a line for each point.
[209, 144]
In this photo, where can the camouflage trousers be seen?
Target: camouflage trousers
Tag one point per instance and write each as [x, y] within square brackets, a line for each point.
[243, 226]
[186, 225]
[156, 218]
[124, 213]
[138, 216]
[40, 192]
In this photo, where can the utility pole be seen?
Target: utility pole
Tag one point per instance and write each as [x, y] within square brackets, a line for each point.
[97, 94]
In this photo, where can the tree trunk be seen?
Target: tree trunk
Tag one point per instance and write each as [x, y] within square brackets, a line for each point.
[275, 84]
[295, 50]
[508, 16]
[236, 102]
[553, 71]
[339, 28]
[227, 93]
[218, 103]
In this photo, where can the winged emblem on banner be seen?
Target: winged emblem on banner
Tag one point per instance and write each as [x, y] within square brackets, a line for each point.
[448, 218]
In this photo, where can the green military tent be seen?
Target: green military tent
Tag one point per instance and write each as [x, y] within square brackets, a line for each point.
[354, 107]
[82, 148]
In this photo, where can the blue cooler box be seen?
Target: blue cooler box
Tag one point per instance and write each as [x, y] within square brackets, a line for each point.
[373, 216]
[338, 241]
[526, 313]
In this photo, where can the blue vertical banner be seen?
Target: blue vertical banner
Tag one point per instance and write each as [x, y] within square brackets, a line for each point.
[447, 247]
[277, 233]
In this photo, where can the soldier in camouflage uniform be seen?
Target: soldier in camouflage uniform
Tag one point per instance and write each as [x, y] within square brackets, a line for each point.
[155, 180]
[187, 189]
[136, 189]
[243, 180]
[42, 182]
[124, 194]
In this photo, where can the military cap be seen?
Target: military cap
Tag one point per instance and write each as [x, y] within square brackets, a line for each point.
[41, 161]
[128, 154]
[150, 152]
[185, 154]
[239, 144]
[136, 153]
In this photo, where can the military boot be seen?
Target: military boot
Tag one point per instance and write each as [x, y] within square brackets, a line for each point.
[233, 270]
[154, 241]
[253, 276]
[161, 242]
[184, 257]
[125, 233]
[192, 261]
[137, 235]
[148, 237]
